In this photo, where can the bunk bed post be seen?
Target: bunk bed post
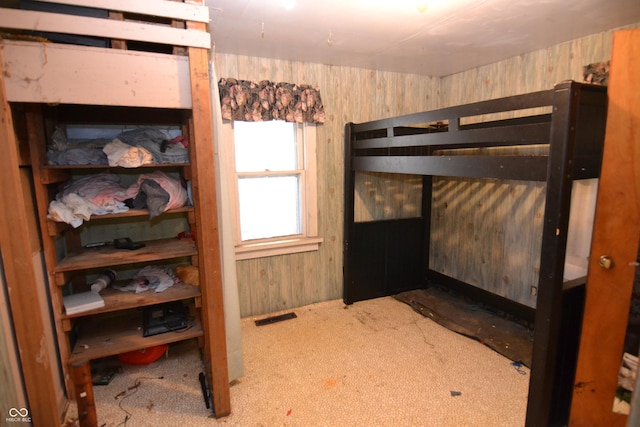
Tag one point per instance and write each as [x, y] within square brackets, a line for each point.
[427, 195]
[349, 176]
[381, 256]
[548, 315]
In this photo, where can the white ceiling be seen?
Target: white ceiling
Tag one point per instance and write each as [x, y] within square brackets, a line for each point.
[398, 35]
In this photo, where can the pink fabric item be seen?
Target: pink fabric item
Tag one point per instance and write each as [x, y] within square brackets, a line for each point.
[102, 189]
[173, 186]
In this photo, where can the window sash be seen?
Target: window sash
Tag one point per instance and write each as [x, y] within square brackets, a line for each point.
[302, 196]
[282, 245]
[294, 212]
[262, 146]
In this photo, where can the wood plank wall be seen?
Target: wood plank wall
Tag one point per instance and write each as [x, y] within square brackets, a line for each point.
[356, 95]
[488, 232]
[349, 94]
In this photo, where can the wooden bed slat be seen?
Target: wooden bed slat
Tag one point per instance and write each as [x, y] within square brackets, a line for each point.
[97, 27]
[530, 168]
[453, 114]
[513, 135]
[163, 8]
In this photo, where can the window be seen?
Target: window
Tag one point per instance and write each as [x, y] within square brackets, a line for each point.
[271, 170]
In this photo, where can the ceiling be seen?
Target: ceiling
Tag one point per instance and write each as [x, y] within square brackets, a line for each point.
[428, 37]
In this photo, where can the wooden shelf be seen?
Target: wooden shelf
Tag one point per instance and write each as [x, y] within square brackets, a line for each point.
[121, 168]
[115, 300]
[53, 174]
[133, 213]
[102, 338]
[109, 256]
[55, 228]
[140, 212]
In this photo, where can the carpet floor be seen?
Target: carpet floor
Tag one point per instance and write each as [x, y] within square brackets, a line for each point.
[372, 363]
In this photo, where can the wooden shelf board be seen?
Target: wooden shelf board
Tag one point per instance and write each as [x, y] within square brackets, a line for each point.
[133, 213]
[122, 335]
[109, 256]
[115, 300]
[120, 168]
[53, 174]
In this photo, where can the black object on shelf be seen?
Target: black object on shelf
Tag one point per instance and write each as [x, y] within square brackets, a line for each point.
[161, 318]
[127, 243]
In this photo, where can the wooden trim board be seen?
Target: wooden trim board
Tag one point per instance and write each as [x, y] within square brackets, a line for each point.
[55, 73]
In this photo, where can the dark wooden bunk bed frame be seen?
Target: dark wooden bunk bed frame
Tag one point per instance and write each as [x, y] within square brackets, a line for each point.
[385, 257]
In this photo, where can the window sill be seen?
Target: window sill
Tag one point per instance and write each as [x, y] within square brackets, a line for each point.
[279, 247]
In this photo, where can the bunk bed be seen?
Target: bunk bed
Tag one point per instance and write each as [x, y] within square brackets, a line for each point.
[387, 256]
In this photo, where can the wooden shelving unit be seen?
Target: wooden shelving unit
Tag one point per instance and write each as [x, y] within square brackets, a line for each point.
[121, 87]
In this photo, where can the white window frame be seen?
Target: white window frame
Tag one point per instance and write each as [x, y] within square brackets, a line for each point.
[308, 240]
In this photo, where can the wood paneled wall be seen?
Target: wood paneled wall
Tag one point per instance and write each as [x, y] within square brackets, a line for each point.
[356, 95]
[488, 232]
[349, 95]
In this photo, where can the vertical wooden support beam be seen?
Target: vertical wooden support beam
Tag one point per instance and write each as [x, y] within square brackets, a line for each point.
[615, 234]
[179, 50]
[31, 328]
[117, 43]
[81, 373]
[206, 211]
[37, 143]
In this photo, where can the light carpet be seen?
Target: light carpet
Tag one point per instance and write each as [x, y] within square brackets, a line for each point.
[372, 363]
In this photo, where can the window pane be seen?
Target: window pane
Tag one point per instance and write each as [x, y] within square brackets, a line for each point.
[262, 146]
[269, 207]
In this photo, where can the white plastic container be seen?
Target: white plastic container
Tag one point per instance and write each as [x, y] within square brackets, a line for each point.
[103, 281]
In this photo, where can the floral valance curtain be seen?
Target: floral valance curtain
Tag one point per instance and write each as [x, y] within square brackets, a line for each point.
[264, 100]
